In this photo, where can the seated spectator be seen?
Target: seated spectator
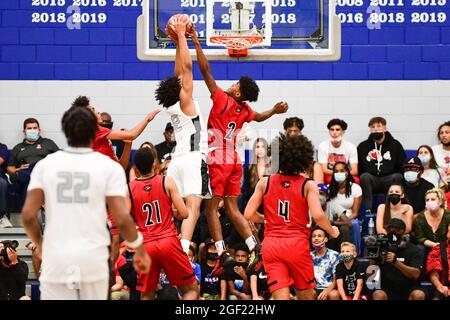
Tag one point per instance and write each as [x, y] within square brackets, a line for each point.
[258, 280]
[325, 261]
[350, 274]
[4, 158]
[380, 160]
[13, 274]
[344, 204]
[293, 126]
[401, 269]
[437, 267]
[442, 150]
[25, 155]
[211, 287]
[396, 206]
[236, 277]
[118, 145]
[430, 226]
[415, 186]
[192, 254]
[431, 172]
[337, 150]
[165, 148]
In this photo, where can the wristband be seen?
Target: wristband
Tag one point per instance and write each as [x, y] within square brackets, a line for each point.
[136, 243]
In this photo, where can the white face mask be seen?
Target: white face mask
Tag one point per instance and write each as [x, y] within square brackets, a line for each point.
[337, 139]
[410, 176]
[340, 176]
[432, 205]
[425, 159]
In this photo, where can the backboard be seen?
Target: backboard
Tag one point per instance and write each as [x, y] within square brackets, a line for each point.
[299, 30]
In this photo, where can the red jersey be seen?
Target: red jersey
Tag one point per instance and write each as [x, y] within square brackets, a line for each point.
[102, 144]
[226, 119]
[285, 208]
[152, 208]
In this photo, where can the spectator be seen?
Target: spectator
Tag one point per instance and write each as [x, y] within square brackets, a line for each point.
[431, 171]
[415, 186]
[236, 277]
[396, 206]
[192, 254]
[437, 267]
[442, 151]
[13, 274]
[118, 145]
[350, 274]
[325, 261]
[430, 226]
[293, 126]
[25, 155]
[336, 149]
[401, 269]
[344, 205]
[164, 148]
[258, 281]
[4, 157]
[323, 196]
[211, 287]
[380, 160]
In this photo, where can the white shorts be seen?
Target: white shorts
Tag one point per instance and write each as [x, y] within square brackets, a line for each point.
[96, 290]
[190, 173]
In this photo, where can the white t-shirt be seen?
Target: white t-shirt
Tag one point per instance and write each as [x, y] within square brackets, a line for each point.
[76, 183]
[340, 203]
[434, 176]
[327, 153]
[443, 159]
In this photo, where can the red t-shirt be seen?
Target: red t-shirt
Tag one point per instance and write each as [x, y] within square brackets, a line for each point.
[102, 144]
[226, 119]
[152, 208]
[434, 262]
[285, 208]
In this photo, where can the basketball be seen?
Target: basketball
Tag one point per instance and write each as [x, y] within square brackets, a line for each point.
[170, 27]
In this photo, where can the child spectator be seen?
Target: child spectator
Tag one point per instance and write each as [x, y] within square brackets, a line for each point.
[237, 280]
[211, 287]
[350, 274]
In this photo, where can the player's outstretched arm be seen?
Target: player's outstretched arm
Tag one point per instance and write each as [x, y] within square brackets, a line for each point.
[312, 197]
[30, 210]
[203, 64]
[125, 157]
[177, 200]
[278, 108]
[136, 131]
[251, 210]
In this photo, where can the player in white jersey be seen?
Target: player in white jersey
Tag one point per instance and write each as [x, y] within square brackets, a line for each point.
[75, 184]
[187, 167]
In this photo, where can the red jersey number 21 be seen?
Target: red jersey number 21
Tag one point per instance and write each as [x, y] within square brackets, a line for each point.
[283, 209]
[150, 208]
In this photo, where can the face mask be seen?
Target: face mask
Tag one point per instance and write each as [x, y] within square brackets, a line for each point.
[241, 264]
[346, 257]
[394, 238]
[410, 176]
[376, 135]
[432, 205]
[337, 139]
[32, 134]
[212, 256]
[339, 176]
[425, 159]
[319, 246]
[108, 125]
[323, 200]
[394, 198]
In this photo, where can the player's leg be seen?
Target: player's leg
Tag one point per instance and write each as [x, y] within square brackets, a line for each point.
[193, 203]
[96, 290]
[190, 291]
[281, 294]
[301, 267]
[306, 294]
[147, 282]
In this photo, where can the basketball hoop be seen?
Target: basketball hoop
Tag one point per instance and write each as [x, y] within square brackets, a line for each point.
[237, 45]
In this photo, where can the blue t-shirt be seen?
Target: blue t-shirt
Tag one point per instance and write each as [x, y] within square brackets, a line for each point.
[324, 268]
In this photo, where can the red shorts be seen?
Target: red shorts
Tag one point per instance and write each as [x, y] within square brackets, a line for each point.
[166, 254]
[284, 268]
[225, 175]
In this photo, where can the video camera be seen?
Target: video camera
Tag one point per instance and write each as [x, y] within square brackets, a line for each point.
[13, 244]
[377, 247]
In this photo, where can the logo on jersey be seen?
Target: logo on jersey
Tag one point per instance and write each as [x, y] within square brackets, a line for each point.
[38, 146]
[238, 109]
[286, 184]
[148, 188]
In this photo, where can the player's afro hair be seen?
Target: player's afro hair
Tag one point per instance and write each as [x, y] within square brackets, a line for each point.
[81, 101]
[249, 89]
[143, 159]
[79, 126]
[296, 154]
[168, 91]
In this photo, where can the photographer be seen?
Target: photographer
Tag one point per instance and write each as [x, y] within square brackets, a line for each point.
[13, 272]
[400, 266]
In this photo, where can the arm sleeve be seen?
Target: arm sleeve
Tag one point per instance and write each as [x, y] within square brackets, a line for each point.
[36, 177]
[116, 184]
[361, 272]
[356, 191]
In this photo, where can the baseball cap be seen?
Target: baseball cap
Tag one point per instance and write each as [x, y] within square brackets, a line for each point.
[168, 126]
[413, 162]
[323, 187]
[396, 223]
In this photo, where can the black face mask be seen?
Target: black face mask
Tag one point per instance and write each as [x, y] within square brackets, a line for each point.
[241, 264]
[394, 198]
[108, 125]
[212, 256]
[376, 136]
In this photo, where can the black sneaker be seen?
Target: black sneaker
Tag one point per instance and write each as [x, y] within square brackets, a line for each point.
[225, 260]
[257, 262]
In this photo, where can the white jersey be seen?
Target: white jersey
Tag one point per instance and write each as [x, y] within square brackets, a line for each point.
[190, 132]
[76, 183]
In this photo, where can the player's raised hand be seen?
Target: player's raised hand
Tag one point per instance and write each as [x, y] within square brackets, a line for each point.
[180, 24]
[192, 33]
[141, 260]
[280, 107]
[152, 114]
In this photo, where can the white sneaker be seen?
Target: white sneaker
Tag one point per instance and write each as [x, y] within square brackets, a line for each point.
[5, 223]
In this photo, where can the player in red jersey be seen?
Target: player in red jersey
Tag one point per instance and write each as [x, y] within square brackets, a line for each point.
[227, 116]
[288, 198]
[152, 197]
